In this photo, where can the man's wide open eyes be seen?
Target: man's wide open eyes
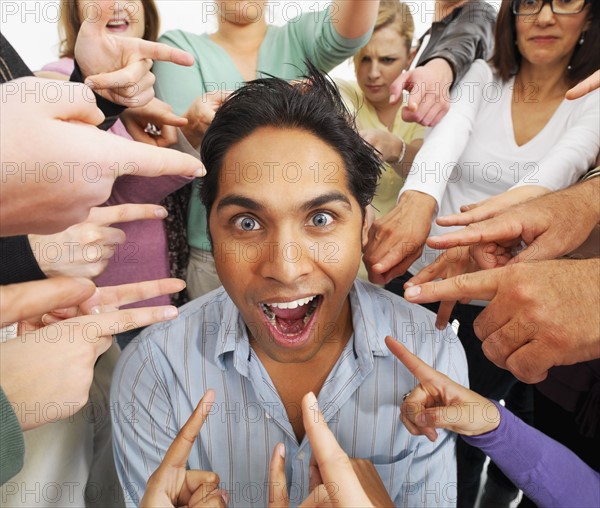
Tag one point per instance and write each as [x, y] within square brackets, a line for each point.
[321, 219]
[246, 223]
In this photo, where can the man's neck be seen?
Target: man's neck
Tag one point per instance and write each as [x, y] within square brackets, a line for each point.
[294, 380]
[243, 37]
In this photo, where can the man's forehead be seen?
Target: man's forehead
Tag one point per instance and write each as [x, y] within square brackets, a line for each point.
[288, 161]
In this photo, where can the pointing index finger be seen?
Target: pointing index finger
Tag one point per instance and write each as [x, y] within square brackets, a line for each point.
[482, 285]
[150, 160]
[398, 87]
[334, 465]
[413, 363]
[180, 448]
[129, 212]
[164, 53]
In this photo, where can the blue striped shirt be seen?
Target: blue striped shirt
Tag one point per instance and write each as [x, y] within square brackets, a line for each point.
[160, 379]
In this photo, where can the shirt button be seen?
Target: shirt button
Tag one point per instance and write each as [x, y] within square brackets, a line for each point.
[300, 456]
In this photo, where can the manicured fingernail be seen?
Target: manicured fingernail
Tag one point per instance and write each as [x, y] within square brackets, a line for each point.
[161, 213]
[312, 400]
[412, 292]
[225, 496]
[47, 319]
[393, 98]
[200, 172]
[171, 312]
[281, 450]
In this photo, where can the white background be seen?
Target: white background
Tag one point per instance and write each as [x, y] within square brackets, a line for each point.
[31, 25]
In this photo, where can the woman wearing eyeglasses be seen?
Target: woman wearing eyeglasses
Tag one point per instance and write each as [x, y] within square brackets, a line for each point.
[509, 135]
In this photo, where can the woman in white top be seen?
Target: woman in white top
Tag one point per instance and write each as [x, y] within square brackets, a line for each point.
[508, 128]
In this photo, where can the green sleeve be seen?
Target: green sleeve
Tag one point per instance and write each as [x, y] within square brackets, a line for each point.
[315, 33]
[178, 85]
[12, 445]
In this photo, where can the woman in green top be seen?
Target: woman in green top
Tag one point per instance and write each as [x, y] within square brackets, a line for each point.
[243, 48]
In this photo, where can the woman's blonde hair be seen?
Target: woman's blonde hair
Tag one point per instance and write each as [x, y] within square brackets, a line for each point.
[396, 15]
[69, 24]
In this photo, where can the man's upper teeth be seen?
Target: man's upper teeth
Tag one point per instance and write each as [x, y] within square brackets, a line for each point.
[294, 304]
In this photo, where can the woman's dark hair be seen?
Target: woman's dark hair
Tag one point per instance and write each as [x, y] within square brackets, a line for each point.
[313, 105]
[507, 59]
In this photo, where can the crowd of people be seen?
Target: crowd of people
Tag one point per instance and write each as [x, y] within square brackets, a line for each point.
[316, 224]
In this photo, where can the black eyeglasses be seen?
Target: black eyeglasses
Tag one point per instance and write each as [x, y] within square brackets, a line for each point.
[533, 7]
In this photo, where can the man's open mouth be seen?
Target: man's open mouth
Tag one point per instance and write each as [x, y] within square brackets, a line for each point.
[290, 322]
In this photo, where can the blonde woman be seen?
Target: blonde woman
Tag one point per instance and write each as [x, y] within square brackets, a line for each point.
[377, 66]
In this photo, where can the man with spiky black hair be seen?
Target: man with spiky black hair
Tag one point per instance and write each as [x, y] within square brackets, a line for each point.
[288, 180]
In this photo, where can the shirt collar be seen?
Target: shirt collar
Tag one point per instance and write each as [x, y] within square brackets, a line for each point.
[369, 329]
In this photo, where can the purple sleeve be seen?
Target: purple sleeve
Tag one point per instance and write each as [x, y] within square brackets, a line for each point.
[144, 190]
[141, 189]
[546, 471]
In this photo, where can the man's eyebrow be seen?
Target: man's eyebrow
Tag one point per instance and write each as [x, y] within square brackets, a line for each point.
[241, 201]
[250, 204]
[325, 199]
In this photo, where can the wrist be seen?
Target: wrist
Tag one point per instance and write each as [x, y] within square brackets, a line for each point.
[36, 249]
[400, 152]
[424, 201]
[442, 68]
[491, 417]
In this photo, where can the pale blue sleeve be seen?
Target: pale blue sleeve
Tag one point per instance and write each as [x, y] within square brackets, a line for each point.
[546, 471]
[143, 425]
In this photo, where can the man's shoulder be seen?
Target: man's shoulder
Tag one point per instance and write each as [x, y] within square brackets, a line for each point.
[383, 313]
[381, 302]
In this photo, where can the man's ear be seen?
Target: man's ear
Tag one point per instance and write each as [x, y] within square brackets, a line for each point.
[369, 217]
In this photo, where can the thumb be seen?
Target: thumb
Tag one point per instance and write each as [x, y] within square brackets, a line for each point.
[535, 251]
[397, 87]
[76, 104]
[278, 494]
[95, 16]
